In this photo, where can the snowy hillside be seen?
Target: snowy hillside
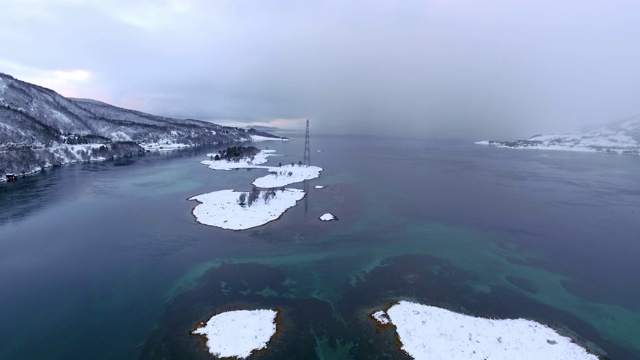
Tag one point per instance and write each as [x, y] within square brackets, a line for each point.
[41, 128]
[621, 138]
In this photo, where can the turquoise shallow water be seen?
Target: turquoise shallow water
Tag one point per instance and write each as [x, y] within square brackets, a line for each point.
[105, 260]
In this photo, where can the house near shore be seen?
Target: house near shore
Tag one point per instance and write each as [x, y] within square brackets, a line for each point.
[11, 177]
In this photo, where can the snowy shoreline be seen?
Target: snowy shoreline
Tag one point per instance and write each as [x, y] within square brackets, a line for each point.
[166, 146]
[66, 154]
[73, 154]
[79, 153]
[581, 149]
[429, 332]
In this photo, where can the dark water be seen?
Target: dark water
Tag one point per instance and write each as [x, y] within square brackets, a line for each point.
[105, 261]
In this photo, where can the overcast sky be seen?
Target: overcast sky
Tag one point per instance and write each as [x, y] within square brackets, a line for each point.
[453, 68]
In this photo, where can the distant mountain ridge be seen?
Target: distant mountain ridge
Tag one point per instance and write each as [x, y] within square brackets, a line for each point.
[41, 128]
[622, 137]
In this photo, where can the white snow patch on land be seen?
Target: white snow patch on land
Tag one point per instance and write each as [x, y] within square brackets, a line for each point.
[163, 146]
[319, 186]
[65, 154]
[238, 333]
[221, 208]
[428, 332]
[120, 136]
[286, 175]
[245, 163]
[328, 217]
[58, 115]
[266, 138]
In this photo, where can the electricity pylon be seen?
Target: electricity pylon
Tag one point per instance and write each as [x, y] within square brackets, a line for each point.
[306, 160]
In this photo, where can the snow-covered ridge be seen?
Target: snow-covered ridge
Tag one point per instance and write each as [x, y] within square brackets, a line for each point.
[40, 118]
[620, 138]
[429, 332]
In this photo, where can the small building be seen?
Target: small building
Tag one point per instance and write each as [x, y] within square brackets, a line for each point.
[11, 177]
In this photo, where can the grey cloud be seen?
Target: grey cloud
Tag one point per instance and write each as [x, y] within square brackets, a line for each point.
[441, 68]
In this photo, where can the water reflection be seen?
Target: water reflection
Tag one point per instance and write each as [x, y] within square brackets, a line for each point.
[31, 194]
[52, 186]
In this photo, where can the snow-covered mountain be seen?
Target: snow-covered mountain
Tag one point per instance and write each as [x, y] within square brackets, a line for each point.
[41, 128]
[622, 137]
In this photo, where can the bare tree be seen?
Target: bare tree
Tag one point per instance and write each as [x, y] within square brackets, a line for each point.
[242, 199]
[253, 195]
[268, 195]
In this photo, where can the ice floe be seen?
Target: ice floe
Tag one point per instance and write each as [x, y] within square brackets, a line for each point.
[238, 333]
[222, 208]
[429, 332]
[328, 217]
[319, 186]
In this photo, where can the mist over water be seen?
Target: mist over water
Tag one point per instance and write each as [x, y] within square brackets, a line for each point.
[454, 69]
[109, 255]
